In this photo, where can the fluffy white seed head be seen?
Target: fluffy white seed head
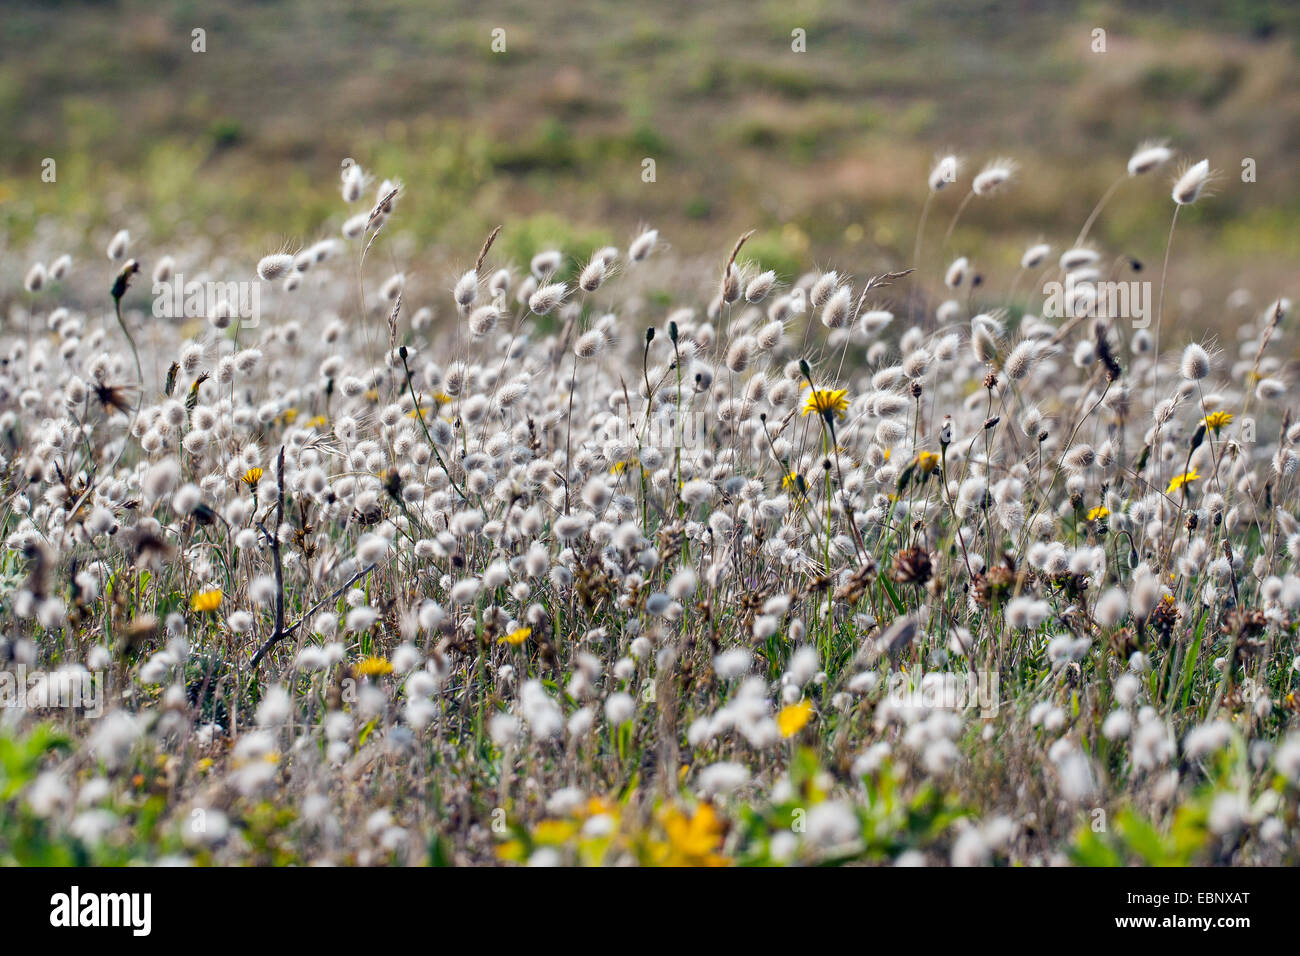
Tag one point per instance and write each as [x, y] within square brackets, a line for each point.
[34, 281]
[1195, 364]
[547, 297]
[944, 172]
[118, 245]
[643, 245]
[589, 344]
[993, 177]
[1149, 157]
[466, 290]
[275, 266]
[1190, 184]
[1035, 256]
[836, 314]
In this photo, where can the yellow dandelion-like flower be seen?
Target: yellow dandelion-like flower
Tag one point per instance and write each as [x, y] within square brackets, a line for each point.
[290, 416]
[554, 832]
[823, 401]
[1217, 420]
[599, 807]
[794, 718]
[252, 477]
[927, 461]
[420, 409]
[517, 636]
[374, 667]
[693, 840]
[320, 421]
[512, 851]
[372, 394]
[206, 601]
[425, 409]
[1183, 479]
[1099, 512]
[792, 482]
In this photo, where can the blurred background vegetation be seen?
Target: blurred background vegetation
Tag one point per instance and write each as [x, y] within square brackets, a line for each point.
[825, 152]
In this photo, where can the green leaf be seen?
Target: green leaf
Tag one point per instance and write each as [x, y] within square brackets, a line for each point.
[893, 595]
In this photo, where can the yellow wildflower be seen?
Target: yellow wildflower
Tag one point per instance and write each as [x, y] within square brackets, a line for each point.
[599, 807]
[823, 401]
[927, 461]
[693, 840]
[554, 832]
[206, 601]
[374, 667]
[425, 410]
[517, 636]
[512, 851]
[1099, 512]
[1217, 420]
[1183, 479]
[252, 477]
[794, 718]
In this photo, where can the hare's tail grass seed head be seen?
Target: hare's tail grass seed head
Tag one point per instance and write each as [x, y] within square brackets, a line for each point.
[994, 177]
[275, 266]
[944, 172]
[1191, 182]
[1148, 157]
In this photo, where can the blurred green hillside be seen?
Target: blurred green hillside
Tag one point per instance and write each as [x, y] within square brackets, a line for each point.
[824, 151]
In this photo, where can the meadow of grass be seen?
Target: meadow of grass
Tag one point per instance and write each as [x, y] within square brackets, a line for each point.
[394, 483]
[838, 568]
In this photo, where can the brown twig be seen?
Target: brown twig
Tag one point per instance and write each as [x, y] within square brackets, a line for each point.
[274, 541]
[333, 596]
